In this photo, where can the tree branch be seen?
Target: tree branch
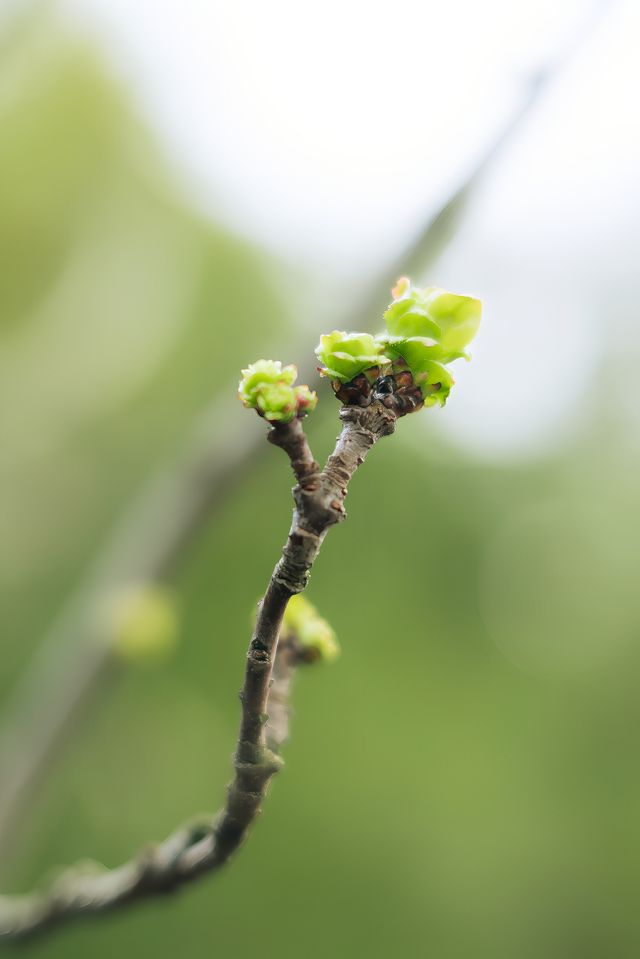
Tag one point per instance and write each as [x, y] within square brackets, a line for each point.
[205, 846]
[149, 542]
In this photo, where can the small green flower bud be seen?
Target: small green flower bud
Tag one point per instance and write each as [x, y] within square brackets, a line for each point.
[267, 386]
[314, 633]
[345, 355]
[144, 623]
[258, 374]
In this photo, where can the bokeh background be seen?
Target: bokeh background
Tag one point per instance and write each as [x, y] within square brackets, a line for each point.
[185, 187]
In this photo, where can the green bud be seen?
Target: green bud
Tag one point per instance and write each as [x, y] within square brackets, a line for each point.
[258, 374]
[310, 629]
[267, 386]
[345, 355]
[144, 623]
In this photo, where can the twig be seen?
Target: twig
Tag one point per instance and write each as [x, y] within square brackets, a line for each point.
[204, 847]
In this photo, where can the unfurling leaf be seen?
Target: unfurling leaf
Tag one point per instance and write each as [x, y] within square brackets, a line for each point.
[345, 355]
[449, 320]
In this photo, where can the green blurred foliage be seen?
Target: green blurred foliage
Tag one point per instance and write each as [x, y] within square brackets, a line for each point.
[464, 780]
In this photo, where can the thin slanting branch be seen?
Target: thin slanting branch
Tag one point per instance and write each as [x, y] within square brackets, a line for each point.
[204, 847]
[291, 654]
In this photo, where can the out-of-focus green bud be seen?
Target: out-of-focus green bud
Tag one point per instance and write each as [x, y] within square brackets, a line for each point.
[344, 355]
[450, 320]
[144, 623]
[312, 631]
[267, 386]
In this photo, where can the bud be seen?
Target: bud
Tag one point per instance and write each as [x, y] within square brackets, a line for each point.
[314, 633]
[144, 623]
[267, 387]
[263, 371]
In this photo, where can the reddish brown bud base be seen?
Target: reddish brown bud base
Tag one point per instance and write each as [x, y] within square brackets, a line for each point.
[396, 391]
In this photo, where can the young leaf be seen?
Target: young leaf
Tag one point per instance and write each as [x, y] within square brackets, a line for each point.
[345, 355]
[449, 319]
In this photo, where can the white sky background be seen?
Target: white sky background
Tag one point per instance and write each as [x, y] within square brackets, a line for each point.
[328, 132]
